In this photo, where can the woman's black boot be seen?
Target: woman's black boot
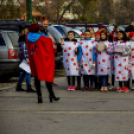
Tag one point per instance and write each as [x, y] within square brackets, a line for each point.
[18, 88]
[40, 100]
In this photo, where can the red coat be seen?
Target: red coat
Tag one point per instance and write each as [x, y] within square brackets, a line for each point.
[42, 58]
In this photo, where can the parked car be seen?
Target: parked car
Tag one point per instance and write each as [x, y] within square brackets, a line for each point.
[9, 53]
[64, 31]
[83, 26]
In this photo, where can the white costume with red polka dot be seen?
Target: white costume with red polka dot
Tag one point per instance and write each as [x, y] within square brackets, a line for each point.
[70, 60]
[104, 61]
[87, 57]
[131, 61]
[121, 64]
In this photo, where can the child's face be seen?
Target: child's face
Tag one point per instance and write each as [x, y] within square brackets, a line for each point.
[120, 36]
[132, 38]
[71, 36]
[127, 34]
[103, 36]
[97, 37]
[87, 35]
[82, 37]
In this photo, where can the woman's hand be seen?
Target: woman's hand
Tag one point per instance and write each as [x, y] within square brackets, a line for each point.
[27, 59]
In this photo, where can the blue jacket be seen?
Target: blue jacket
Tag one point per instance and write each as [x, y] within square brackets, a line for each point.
[80, 53]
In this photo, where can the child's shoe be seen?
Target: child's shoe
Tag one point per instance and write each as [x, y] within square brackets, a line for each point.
[91, 88]
[102, 88]
[85, 88]
[105, 89]
[69, 88]
[72, 88]
[77, 88]
[126, 89]
[119, 89]
[111, 87]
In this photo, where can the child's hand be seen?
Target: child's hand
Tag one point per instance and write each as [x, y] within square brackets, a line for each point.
[76, 50]
[105, 47]
[96, 46]
[94, 62]
[60, 40]
[79, 63]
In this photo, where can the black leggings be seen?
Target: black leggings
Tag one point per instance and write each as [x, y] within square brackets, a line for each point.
[125, 83]
[71, 80]
[38, 87]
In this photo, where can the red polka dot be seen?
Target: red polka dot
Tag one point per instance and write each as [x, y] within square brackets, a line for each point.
[115, 43]
[89, 71]
[74, 64]
[74, 55]
[132, 64]
[109, 58]
[72, 59]
[120, 64]
[92, 41]
[68, 54]
[85, 65]
[74, 43]
[133, 57]
[125, 68]
[109, 45]
[81, 43]
[90, 60]
[125, 60]
[63, 44]
[103, 60]
[98, 62]
[65, 50]
[86, 46]
[119, 72]
[86, 54]
[69, 48]
[90, 50]
[77, 69]
[116, 57]
[68, 69]
[66, 60]
[102, 70]
[121, 42]
[130, 71]
[82, 53]
[117, 78]
[132, 49]
[124, 78]
[99, 53]
[113, 68]
[108, 67]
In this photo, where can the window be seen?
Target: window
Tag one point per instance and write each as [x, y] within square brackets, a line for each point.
[77, 35]
[96, 29]
[2, 42]
[14, 38]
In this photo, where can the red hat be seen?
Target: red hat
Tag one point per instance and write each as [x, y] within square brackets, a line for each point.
[98, 32]
[131, 34]
[83, 34]
[34, 28]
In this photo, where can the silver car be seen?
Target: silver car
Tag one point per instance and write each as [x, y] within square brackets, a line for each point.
[9, 53]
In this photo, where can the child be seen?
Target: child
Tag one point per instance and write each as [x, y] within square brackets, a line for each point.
[121, 62]
[91, 29]
[70, 59]
[103, 61]
[82, 37]
[86, 58]
[131, 61]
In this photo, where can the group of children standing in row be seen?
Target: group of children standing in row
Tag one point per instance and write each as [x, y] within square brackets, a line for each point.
[84, 59]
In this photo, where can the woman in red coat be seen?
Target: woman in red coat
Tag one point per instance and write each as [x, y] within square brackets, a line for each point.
[42, 60]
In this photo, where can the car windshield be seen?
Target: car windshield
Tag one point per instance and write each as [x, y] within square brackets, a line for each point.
[14, 38]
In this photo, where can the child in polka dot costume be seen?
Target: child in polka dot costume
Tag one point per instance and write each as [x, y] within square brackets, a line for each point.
[86, 59]
[70, 60]
[121, 60]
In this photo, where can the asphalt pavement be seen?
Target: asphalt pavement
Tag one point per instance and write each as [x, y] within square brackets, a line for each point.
[77, 112]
